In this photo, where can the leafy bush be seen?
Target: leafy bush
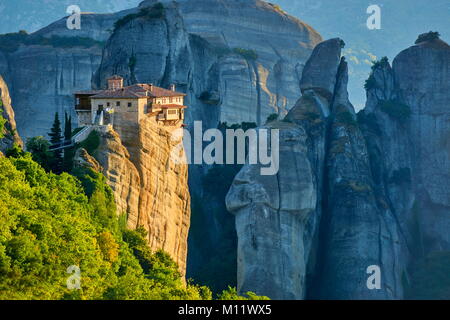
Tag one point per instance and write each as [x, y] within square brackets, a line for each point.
[39, 148]
[10, 42]
[395, 109]
[154, 12]
[428, 36]
[246, 53]
[91, 143]
[346, 118]
[272, 117]
[231, 294]
[370, 83]
[378, 64]
[49, 224]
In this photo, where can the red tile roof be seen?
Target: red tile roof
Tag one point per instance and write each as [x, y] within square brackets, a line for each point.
[154, 91]
[119, 93]
[135, 91]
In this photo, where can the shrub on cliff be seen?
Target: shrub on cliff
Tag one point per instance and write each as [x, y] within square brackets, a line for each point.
[428, 36]
[155, 12]
[395, 109]
[246, 53]
[377, 64]
[10, 42]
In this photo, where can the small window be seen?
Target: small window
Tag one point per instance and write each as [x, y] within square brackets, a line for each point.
[118, 103]
[130, 104]
[108, 104]
[170, 100]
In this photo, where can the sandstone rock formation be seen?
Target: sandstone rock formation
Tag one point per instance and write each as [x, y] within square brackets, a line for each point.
[406, 127]
[11, 136]
[325, 170]
[148, 186]
[237, 62]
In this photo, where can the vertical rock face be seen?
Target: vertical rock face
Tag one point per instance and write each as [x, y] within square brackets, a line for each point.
[271, 213]
[43, 81]
[407, 121]
[357, 231]
[325, 167]
[148, 186]
[43, 78]
[238, 61]
[11, 136]
[422, 75]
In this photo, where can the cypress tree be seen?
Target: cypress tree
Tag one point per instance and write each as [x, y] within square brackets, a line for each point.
[69, 152]
[56, 140]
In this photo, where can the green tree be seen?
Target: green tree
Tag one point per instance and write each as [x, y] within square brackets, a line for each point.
[39, 148]
[56, 140]
[69, 153]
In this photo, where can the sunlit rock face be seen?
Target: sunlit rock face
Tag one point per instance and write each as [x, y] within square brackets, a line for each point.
[11, 136]
[149, 188]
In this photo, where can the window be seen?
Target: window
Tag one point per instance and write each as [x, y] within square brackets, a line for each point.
[130, 104]
[170, 100]
[108, 104]
[173, 111]
[118, 103]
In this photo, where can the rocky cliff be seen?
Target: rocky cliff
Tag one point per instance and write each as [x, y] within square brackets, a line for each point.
[406, 127]
[352, 192]
[149, 188]
[11, 136]
[237, 61]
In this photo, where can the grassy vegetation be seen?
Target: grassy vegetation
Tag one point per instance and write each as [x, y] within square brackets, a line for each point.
[91, 143]
[272, 117]
[157, 11]
[246, 53]
[346, 118]
[51, 222]
[371, 82]
[10, 42]
[395, 109]
[429, 36]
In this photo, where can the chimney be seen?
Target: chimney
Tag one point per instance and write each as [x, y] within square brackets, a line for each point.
[151, 86]
[172, 87]
[115, 82]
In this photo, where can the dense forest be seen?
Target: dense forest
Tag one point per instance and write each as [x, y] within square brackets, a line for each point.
[54, 224]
